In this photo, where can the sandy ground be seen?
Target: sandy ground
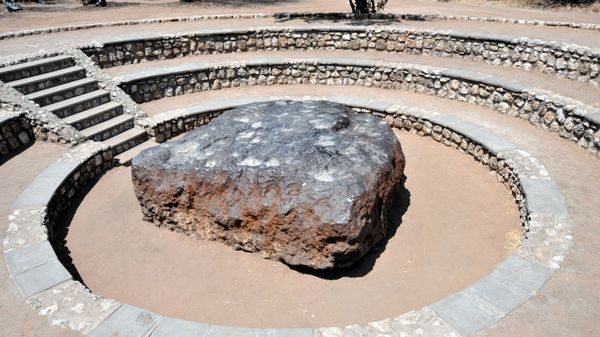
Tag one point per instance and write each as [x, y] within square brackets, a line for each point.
[459, 224]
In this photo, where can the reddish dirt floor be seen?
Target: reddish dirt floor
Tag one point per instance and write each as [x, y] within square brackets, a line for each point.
[460, 222]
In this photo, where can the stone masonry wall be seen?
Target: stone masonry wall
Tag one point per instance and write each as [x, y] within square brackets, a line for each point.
[566, 61]
[559, 116]
[480, 154]
[46, 125]
[171, 128]
[93, 163]
[15, 132]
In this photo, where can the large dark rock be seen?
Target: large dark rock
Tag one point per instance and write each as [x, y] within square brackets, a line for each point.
[308, 183]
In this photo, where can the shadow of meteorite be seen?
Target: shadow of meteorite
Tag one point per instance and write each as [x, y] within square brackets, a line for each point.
[366, 263]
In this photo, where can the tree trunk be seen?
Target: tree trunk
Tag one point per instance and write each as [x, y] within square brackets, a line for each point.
[362, 6]
[352, 6]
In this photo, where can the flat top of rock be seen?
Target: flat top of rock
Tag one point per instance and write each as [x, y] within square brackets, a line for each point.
[321, 146]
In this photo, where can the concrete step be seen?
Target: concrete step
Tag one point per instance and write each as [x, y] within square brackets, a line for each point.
[79, 103]
[109, 128]
[48, 80]
[127, 140]
[65, 91]
[97, 115]
[125, 158]
[34, 68]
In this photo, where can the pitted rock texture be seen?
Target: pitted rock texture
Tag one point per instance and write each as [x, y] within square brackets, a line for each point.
[308, 183]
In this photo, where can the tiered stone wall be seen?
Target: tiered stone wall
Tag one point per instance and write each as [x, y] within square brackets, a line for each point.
[15, 131]
[46, 126]
[565, 117]
[568, 61]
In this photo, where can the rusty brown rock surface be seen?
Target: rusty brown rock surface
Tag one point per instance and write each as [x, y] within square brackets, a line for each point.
[307, 183]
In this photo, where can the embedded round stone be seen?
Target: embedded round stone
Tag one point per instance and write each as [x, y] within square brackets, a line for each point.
[308, 183]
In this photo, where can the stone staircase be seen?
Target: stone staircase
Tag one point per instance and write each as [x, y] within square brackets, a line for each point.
[60, 86]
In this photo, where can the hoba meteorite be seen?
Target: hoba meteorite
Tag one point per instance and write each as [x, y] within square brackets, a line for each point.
[308, 183]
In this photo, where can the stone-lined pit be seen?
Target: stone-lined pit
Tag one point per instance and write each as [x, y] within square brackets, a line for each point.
[470, 206]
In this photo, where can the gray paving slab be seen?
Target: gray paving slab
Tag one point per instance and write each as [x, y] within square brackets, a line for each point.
[127, 321]
[333, 98]
[501, 292]
[230, 331]
[60, 168]
[380, 106]
[42, 188]
[171, 327]
[272, 60]
[38, 193]
[489, 140]
[22, 260]
[524, 164]
[466, 312]
[348, 100]
[593, 116]
[505, 83]
[445, 120]
[463, 127]
[116, 40]
[496, 81]
[307, 332]
[526, 274]
[6, 117]
[31, 64]
[41, 278]
[483, 36]
[544, 197]
[155, 72]
[352, 62]
[464, 74]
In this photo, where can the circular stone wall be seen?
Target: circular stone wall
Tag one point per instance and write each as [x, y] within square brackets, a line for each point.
[454, 221]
